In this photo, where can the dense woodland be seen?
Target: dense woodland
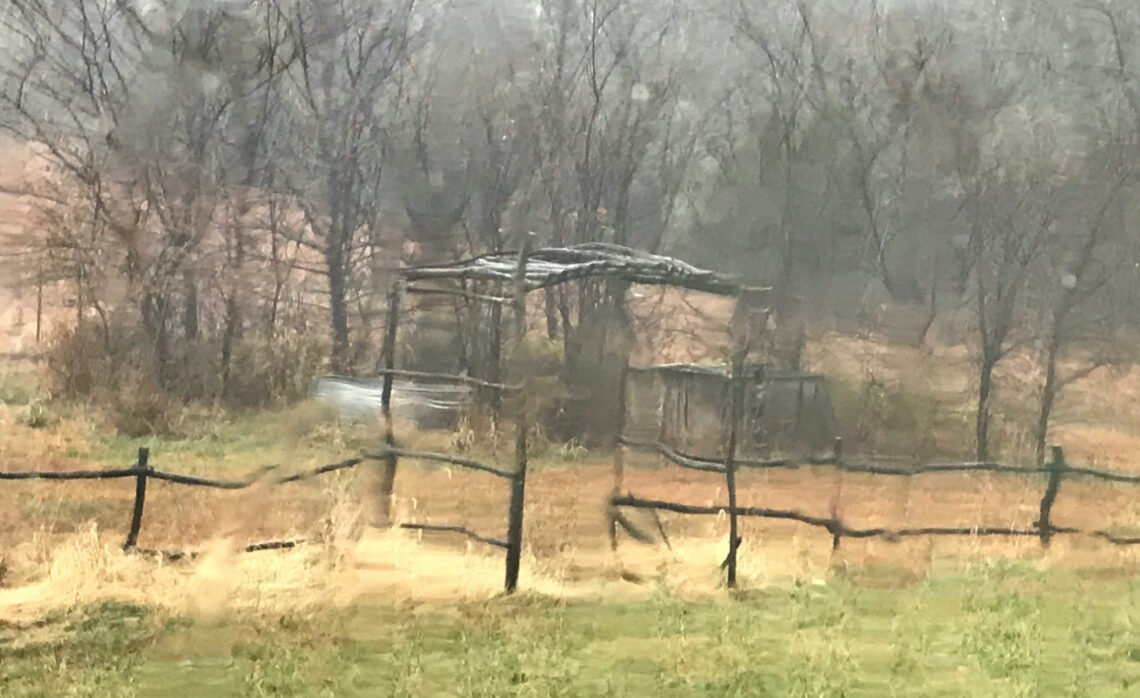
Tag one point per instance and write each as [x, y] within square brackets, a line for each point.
[226, 186]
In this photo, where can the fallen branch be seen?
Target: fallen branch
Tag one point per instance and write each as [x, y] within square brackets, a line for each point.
[176, 555]
[451, 528]
[273, 545]
[634, 532]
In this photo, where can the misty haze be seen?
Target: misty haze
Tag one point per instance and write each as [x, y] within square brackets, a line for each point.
[569, 347]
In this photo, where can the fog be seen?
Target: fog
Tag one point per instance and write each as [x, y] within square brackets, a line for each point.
[233, 183]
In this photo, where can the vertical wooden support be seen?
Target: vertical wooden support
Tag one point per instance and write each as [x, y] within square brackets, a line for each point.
[39, 300]
[838, 456]
[736, 393]
[388, 476]
[1056, 472]
[740, 345]
[619, 453]
[515, 513]
[518, 482]
[496, 360]
[140, 499]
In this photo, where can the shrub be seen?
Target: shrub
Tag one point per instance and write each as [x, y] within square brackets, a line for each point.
[141, 408]
[75, 359]
[113, 366]
[15, 394]
[38, 415]
[274, 369]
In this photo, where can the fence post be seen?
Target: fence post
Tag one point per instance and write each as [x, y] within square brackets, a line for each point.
[619, 454]
[837, 450]
[1056, 472]
[515, 521]
[140, 499]
[518, 482]
[388, 476]
[741, 341]
[735, 385]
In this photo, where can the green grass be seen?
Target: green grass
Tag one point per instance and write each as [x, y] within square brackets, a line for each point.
[998, 629]
[17, 384]
[297, 437]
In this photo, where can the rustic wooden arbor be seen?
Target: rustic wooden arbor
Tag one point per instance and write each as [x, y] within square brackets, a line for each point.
[483, 279]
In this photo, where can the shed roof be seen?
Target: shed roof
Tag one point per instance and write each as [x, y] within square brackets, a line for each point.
[551, 266]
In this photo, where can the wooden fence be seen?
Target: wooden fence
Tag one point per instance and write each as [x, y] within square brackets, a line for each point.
[142, 471]
[1044, 528]
[1056, 470]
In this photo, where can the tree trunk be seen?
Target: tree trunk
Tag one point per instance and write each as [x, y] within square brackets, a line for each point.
[338, 311]
[189, 305]
[551, 314]
[1048, 399]
[982, 427]
[495, 356]
[154, 314]
[229, 334]
[931, 304]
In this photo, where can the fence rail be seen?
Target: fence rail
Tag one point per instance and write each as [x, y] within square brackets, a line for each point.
[142, 471]
[834, 526]
[468, 463]
[177, 478]
[705, 464]
[1044, 529]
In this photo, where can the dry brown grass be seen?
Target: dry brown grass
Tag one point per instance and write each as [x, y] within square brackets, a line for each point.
[567, 553]
[60, 540]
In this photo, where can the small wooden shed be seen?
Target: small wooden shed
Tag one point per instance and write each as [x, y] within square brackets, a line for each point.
[684, 406]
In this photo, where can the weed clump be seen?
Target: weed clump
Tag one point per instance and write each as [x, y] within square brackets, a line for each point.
[37, 414]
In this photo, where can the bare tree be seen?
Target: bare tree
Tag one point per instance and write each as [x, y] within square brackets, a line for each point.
[614, 141]
[1008, 231]
[779, 107]
[1080, 315]
[348, 54]
[134, 113]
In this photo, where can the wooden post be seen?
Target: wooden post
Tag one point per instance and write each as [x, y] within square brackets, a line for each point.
[140, 499]
[736, 392]
[518, 482]
[740, 345]
[39, 300]
[619, 453]
[388, 476]
[1056, 472]
[838, 455]
[496, 360]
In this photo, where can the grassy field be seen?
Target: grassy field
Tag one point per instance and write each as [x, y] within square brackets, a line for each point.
[364, 613]
[992, 630]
